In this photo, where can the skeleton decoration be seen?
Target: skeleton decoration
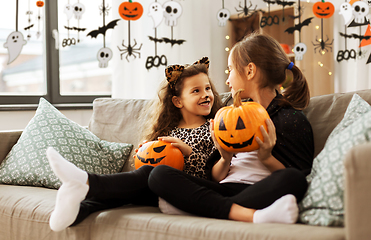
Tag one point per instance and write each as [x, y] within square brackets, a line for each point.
[222, 16]
[28, 28]
[130, 11]
[104, 54]
[172, 11]
[15, 41]
[355, 15]
[300, 49]
[77, 10]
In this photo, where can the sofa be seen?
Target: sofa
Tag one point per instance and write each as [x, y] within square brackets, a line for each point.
[25, 210]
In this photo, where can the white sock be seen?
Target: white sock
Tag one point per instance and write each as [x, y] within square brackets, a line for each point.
[72, 191]
[67, 205]
[64, 169]
[283, 210]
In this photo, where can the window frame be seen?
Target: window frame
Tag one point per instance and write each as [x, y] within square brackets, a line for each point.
[51, 74]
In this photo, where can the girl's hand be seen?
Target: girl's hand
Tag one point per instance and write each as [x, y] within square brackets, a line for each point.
[223, 153]
[140, 145]
[176, 142]
[265, 150]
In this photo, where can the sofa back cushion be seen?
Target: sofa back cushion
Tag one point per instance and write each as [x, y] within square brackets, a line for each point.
[325, 112]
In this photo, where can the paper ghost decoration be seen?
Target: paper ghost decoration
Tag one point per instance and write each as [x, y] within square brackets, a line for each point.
[347, 12]
[68, 11]
[156, 12]
[14, 44]
[222, 16]
[360, 11]
[172, 11]
[300, 49]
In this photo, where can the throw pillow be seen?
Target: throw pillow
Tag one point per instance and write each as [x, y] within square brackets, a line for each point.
[26, 163]
[323, 201]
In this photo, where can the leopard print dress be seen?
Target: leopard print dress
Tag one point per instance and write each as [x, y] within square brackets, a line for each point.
[202, 145]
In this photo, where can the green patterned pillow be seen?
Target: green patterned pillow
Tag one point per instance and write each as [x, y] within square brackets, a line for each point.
[323, 202]
[26, 164]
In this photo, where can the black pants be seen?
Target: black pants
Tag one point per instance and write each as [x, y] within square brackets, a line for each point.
[114, 190]
[211, 199]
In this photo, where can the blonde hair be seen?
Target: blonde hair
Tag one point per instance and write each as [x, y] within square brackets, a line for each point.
[164, 115]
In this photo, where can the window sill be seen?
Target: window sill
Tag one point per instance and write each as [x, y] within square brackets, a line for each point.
[61, 106]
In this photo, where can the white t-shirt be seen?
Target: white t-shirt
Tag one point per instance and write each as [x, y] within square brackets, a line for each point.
[246, 168]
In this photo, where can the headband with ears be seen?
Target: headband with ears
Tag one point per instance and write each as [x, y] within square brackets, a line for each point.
[173, 72]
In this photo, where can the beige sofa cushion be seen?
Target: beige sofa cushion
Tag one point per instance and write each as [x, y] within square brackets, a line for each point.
[325, 112]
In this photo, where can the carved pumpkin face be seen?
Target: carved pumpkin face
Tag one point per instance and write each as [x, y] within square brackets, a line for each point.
[159, 153]
[323, 9]
[40, 3]
[237, 126]
[130, 10]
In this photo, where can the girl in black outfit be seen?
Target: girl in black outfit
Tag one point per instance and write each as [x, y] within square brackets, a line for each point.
[263, 185]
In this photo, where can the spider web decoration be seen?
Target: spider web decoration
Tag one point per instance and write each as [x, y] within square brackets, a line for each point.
[223, 15]
[104, 54]
[322, 11]
[15, 41]
[156, 13]
[269, 21]
[130, 11]
[76, 10]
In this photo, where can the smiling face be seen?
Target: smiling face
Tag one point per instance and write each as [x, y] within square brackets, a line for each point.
[235, 81]
[196, 98]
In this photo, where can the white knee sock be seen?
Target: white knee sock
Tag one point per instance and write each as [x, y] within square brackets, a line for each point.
[283, 210]
[67, 205]
[70, 194]
[64, 169]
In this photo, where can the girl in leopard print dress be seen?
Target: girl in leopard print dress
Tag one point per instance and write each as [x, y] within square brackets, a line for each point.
[187, 101]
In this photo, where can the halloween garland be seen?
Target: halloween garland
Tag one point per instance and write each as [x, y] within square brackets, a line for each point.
[28, 28]
[223, 15]
[355, 14]
[130, 11]
[15, 41]
[77, 10]
[245, 10]
[269, 21]
[323, 10]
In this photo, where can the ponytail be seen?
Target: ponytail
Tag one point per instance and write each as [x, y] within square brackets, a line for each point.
[297, 93]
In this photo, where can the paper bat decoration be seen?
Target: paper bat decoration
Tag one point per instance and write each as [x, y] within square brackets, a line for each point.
[29, 27]
[298, 27]
[102, 30]
[355, 36]
[75, 28]
[173, 41]
[156, 40]
[284, 4]
[354, 24]
[269, 2]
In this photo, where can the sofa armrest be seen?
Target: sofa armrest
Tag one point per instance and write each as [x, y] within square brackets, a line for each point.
[7, 141]
[357, 195]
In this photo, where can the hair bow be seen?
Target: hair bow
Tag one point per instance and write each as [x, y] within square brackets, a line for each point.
[173, 72]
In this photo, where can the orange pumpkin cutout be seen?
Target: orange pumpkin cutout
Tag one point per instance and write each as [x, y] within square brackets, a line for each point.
[237, 126]
[40, 3]
[159, 153]
[130, 10]
[323, 9]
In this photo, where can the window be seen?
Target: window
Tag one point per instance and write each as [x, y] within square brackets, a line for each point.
[56, 59]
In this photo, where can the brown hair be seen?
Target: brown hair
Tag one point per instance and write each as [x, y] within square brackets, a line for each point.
[165, 116]
[267, 54]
